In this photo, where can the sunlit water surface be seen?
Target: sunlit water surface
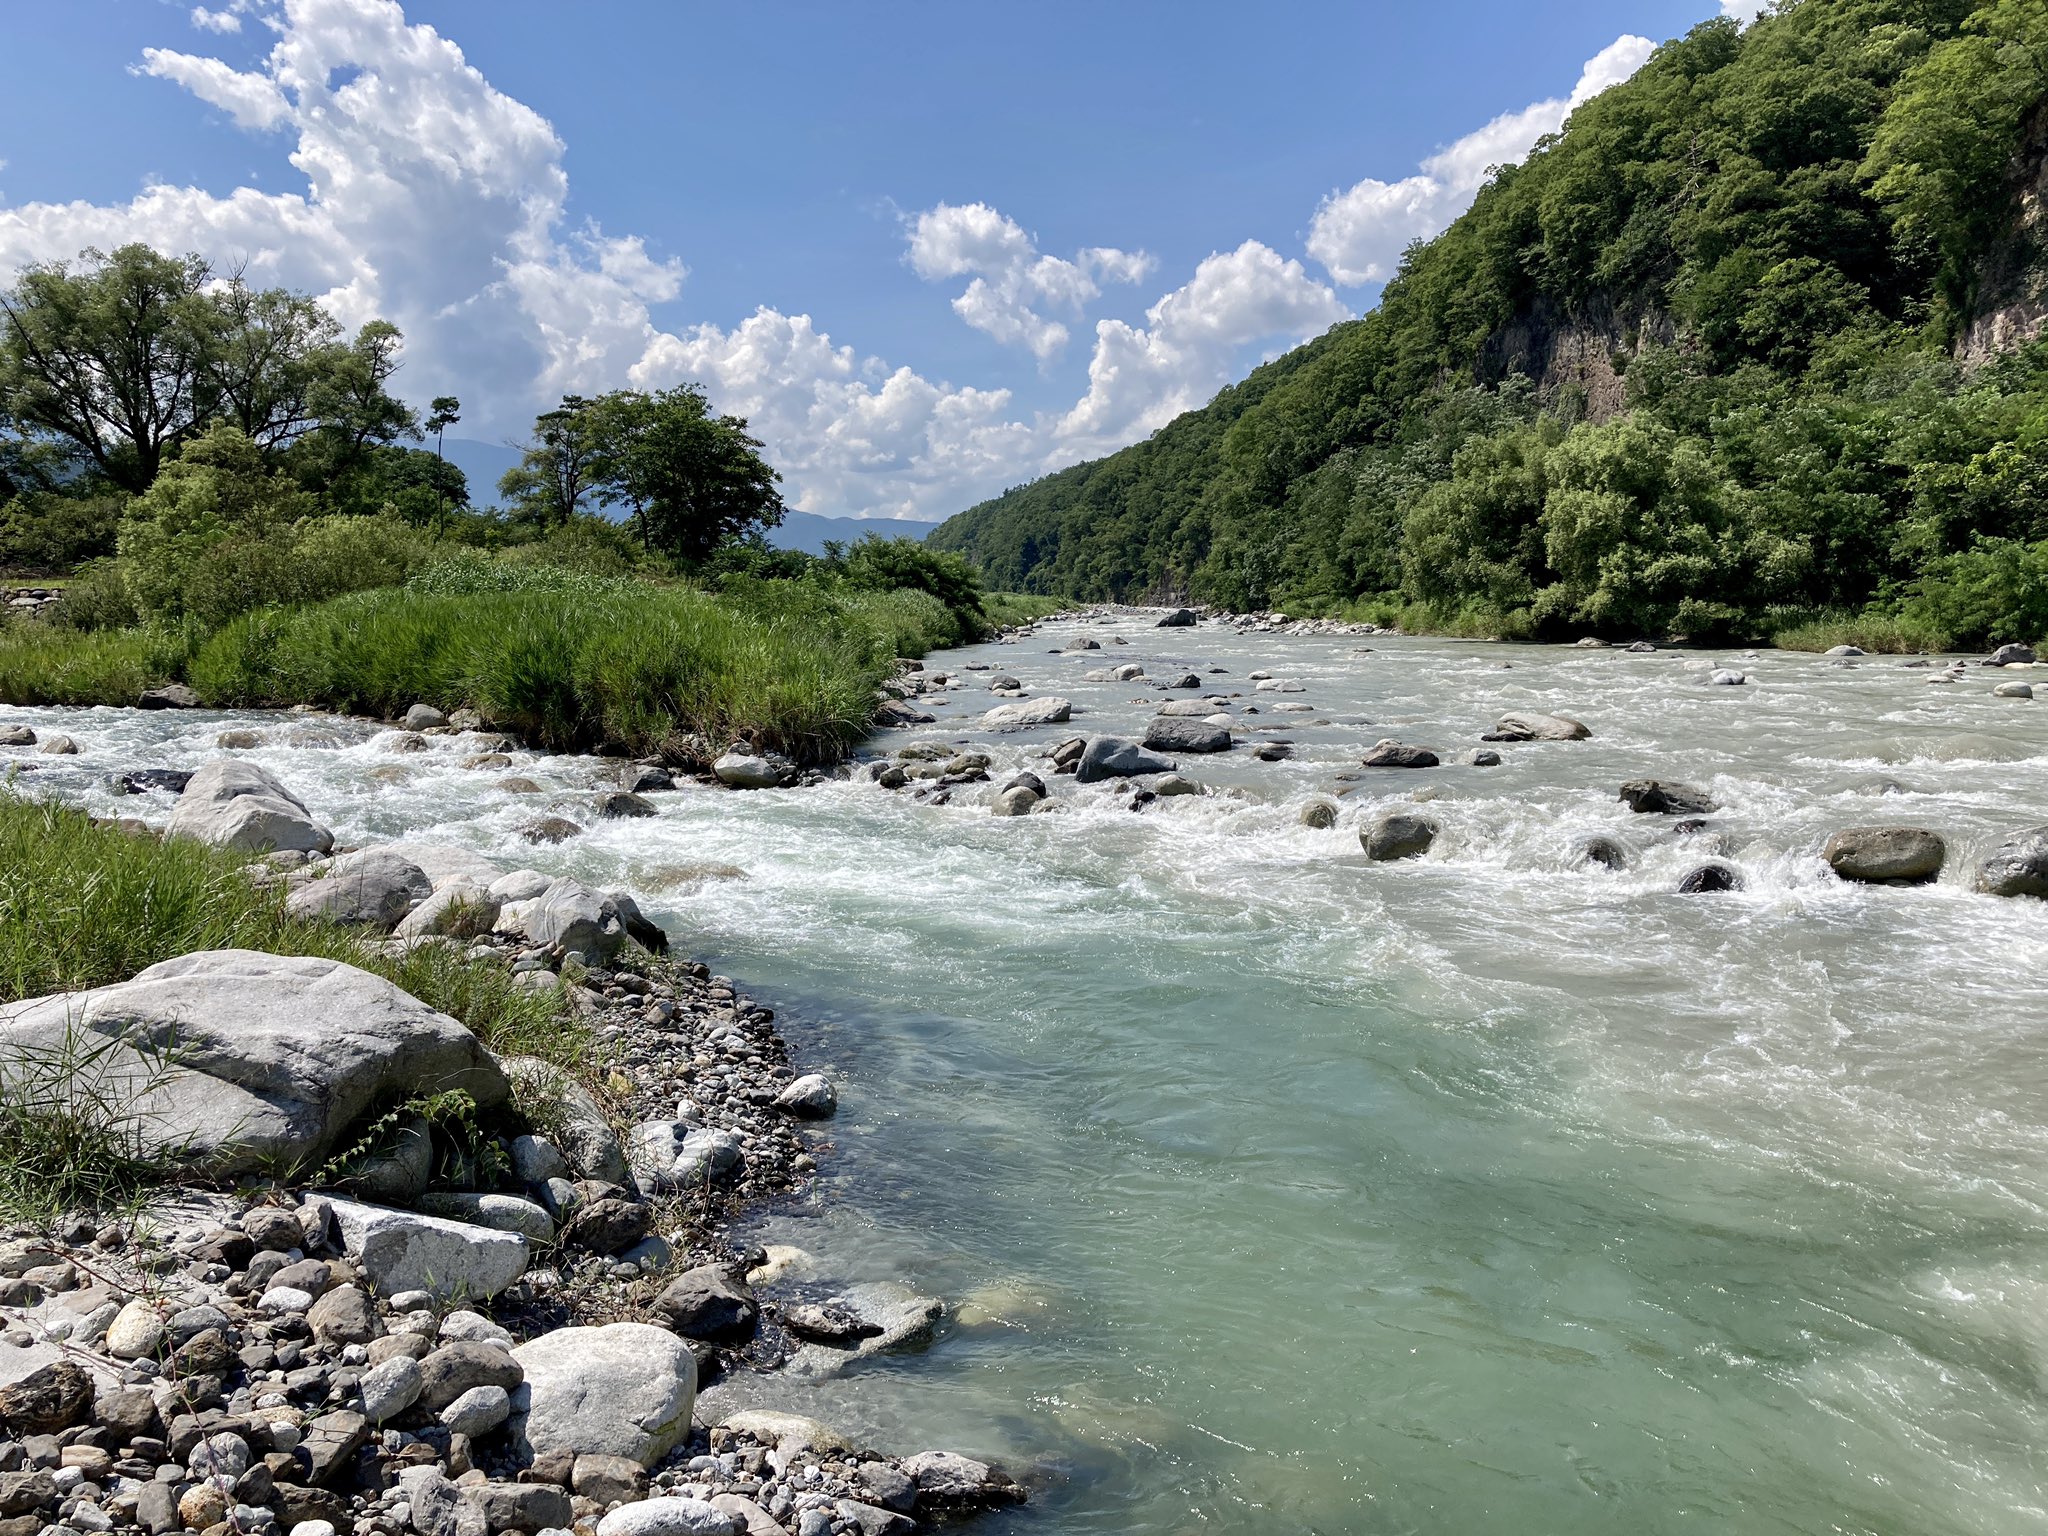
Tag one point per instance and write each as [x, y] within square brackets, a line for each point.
[1279, 1191]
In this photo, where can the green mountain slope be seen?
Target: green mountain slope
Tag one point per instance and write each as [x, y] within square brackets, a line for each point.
[1737, 348]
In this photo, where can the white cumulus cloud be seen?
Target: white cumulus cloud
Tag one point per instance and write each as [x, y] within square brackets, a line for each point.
[1012, 282]
[1141, 377]
[215, 21]
[1359, 234]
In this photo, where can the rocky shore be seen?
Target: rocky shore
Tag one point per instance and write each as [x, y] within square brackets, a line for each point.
[409, 1285]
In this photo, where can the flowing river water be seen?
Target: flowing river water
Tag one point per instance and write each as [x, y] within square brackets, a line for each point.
[1278, 1191]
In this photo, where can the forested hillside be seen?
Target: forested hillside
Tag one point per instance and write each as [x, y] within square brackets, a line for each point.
[1745, 347]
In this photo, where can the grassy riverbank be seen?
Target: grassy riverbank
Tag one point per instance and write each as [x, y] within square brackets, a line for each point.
[791, 666]
[83, 905]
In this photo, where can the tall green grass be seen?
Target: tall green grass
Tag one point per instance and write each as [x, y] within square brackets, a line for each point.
[84, 905]
[1879, 633]
[641, 667]
[1007, 608]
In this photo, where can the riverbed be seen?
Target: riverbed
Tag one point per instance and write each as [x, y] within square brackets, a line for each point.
[1274, 1190]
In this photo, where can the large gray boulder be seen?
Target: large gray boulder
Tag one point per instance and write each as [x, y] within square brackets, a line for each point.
[1399, 754]
[754, 770]
[2018, 866]
[234, 803]
[568, 915]
[405, 1251]
[1177, 733]
[1049, 710]
[1112, 757]
[1885, 854]
[625, 1389]
[2010, 656]
[1520, 726]
[238, 1059]
[1180, 618]
[461, 909]
[372, 889]
[1397, 835]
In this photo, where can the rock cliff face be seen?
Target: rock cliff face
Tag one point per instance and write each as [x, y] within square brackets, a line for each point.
[2012, 297]
[1586, 347]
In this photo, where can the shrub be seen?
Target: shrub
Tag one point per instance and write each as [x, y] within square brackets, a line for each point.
[46, 532]
[1994, 592]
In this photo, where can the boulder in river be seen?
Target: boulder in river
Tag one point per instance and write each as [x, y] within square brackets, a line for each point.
[1186, 680]
[1319, 814]
[424, 717]
[1112, 757]
[1656, 797]
[744, 769]
[1523, 726]
[1904, 855]
[233, 803]
[1018, 800]
[2010, 656]
[568, 916]
[1083, 643]
[1709, 878]
[622, 804]
[1398, 754]
[1177, 733]
[1180, 618]
[1603, 851]
[235, 1077]
[1845, 650]
[1027, 780]
[443, 863]
[170, 696]
[1194, 709]
[1483, 757]
[1049, 710]
[2018, 866]
[1397, 835]
[2013, 691]
[371, 889]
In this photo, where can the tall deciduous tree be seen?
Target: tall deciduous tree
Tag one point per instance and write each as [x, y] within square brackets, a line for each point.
[107, 357]
[694, 481]
[552, 482]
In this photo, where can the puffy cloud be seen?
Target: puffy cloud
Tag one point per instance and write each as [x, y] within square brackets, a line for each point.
[1359, 234]
[215, 21]
[253, 101]
[1012, 282]
[1140, 378]
[1744, 11]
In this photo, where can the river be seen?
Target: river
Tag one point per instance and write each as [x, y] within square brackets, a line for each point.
[1278, 1191]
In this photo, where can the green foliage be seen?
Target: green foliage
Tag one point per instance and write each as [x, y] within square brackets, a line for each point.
[47, 533]
[1994, 592]
[1772, 237]
[43, 663]
[786, 665]
[876, 564]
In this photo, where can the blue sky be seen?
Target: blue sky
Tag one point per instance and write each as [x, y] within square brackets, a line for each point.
[929, 251]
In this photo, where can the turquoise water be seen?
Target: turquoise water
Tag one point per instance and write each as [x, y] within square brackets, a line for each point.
[1278, 1191]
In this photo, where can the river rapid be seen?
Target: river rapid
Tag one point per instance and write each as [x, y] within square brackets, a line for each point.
[1277, 1191]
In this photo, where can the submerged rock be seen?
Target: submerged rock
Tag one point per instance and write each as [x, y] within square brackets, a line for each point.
[1603, 851]
[1397, 835]
[1176, 733]
[1516, 726]
[1888, 854]
[1708, 878]
[2018, 866]
[1661, 797]
[1398, 754]
[1319, 814]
